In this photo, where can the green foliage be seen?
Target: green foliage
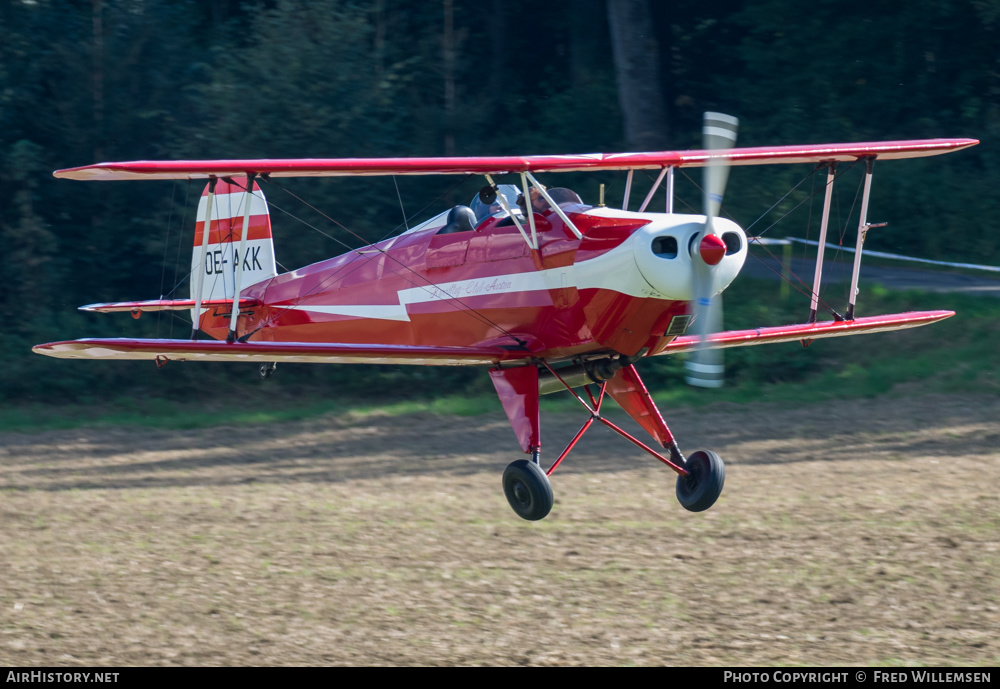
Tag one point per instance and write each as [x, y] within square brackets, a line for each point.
[82, 82]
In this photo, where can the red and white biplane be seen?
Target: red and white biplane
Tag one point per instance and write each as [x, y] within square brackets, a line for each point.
[546, 291]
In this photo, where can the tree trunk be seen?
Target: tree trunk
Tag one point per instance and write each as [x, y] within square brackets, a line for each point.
[97, 77]
[635, 51]
[448, 51]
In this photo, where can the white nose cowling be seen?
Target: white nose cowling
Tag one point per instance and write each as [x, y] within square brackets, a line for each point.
[665, 254]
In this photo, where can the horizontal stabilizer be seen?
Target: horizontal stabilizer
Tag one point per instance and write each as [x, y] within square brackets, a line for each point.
[655, 160]
[293, 352]
[805, 331]
[164, 305]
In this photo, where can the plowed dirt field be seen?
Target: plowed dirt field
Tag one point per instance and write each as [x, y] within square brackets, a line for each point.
[854, 533]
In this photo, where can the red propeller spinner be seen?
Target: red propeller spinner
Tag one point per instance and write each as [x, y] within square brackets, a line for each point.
[712, 249]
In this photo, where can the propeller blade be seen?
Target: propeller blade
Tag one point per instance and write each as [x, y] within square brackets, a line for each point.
[705, 367]
[718, 133]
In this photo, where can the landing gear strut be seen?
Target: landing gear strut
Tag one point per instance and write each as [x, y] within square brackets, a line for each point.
[700, 477]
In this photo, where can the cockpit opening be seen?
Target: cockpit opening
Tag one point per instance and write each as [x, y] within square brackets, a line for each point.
[483, 211]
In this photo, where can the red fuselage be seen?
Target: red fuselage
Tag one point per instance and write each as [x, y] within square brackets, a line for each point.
[569, 297]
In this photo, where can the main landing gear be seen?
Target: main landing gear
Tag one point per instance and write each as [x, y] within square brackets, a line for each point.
[528, 489]
[526, 485]
[702, 486]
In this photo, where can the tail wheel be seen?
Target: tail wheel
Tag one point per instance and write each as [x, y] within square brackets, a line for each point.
[702, 486]
[527, 489]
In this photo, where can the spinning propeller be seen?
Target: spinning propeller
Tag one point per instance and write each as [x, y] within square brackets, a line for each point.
[705, 366]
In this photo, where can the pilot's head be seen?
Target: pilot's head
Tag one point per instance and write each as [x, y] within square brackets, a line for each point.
[538, 202]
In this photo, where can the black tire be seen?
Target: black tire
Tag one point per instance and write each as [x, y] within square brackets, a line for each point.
[527, 489]
[702, 486]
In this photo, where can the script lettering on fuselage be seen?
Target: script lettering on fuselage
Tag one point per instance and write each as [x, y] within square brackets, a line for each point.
[470, 288]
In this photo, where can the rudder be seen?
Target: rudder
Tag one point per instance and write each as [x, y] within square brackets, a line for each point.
[215, 277]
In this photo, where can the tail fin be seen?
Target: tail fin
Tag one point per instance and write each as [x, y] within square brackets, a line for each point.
[215, 277]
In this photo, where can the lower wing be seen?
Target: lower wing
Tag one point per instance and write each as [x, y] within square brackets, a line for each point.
[805, 331]
[340, 353]
[295, 352]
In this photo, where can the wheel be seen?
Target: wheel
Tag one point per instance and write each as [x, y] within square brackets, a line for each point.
[702, 486]
[527, 489]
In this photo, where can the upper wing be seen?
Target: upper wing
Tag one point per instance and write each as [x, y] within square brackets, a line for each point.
[296, 352]
[340, 167]
[806, 331]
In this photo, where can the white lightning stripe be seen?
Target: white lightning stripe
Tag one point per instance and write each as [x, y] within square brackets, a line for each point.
[448, 291]
[614, 270]
[385, 312]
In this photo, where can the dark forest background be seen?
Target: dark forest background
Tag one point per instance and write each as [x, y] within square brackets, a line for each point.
[84, 81]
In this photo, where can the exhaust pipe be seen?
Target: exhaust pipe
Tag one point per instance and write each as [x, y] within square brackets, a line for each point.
[586, 373]
[575, 377]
